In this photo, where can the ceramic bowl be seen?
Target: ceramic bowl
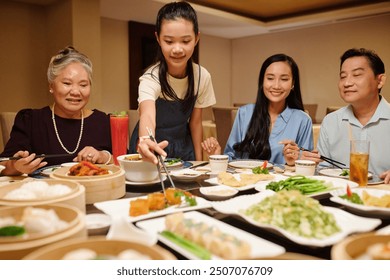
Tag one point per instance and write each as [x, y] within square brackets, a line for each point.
[97, 223]
[138, 170]
[218, 192]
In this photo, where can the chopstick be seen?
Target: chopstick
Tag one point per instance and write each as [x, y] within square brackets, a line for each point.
[37, 156]
[161, 162]
[329, 160]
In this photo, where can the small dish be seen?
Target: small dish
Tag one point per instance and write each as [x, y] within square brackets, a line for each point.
[97, 223]
[218, 192]
[186, 174]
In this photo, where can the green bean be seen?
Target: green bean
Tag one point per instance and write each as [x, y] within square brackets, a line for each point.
[301, 183]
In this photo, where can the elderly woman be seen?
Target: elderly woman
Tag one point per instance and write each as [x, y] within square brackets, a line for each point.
[67, 127]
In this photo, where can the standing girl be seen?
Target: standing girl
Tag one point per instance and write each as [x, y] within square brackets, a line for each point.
[173, 91]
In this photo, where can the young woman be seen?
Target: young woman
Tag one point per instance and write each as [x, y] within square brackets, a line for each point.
[269, 129]
[173, 91]
[67, 127]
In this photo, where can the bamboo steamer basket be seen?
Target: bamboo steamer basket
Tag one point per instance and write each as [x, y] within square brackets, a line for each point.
[355, 247]
[98, 188]
[75, 198]
[13, 248]
[101, 246]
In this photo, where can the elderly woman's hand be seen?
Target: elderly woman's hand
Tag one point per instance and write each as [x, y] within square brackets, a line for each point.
[92, 155]
[26, 165]
[147, 149]
[211, 146]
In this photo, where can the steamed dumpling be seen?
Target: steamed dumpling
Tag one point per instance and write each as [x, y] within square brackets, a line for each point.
[20, 194]
[57, 190]
[39, 220]
[37, 187]
[80, 254]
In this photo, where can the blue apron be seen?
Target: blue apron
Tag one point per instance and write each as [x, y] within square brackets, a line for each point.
[172, 125]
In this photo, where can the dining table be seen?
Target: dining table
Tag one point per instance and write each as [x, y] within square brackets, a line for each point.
[292, 248]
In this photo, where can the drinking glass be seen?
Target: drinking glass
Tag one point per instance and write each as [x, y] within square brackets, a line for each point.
[119, 135]
[358, 164]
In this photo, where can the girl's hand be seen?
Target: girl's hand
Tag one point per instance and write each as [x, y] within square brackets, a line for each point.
[211, 146]
[147, 149]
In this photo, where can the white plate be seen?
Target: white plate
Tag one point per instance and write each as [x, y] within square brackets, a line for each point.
[218, 192]
[146, 183]
[347, 222]
[247, 164]
[335, 172]
[176, 164]
[214, 181]
[358, 208]
[69, 164]
[186, 174]
[260, 248]
[48, 170]
[338, 183]
[121, 207]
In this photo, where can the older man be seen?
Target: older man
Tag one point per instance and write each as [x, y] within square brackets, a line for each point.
[367, 117]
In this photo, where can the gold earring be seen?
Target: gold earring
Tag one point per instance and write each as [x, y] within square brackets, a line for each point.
[51, 91]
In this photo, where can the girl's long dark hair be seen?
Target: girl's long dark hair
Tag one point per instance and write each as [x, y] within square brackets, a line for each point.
[256, 141]
[174, 11]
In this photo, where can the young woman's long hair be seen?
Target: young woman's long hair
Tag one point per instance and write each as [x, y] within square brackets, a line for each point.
[174, 11]
[256, 141]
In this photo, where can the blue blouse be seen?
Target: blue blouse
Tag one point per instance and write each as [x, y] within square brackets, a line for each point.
[291, 124]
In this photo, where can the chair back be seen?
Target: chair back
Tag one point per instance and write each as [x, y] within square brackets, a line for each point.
[332, 109]
[223, 121]
[311, 109]
[7, 121]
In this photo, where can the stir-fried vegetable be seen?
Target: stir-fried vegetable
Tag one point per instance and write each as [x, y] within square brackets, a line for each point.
[261, 169]
[301, 183]
[351, 196]
[296, 213]
[172, 161]
[188, 245]
[345, 172]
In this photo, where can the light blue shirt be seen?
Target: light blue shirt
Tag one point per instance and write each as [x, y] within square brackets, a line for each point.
[291, 124]
[334, 136]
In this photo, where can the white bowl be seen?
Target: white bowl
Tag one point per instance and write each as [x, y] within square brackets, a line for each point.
[218, 192]
[138, 170]
[98, 223]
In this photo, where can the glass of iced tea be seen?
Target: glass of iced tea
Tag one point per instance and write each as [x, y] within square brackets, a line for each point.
[358, 163]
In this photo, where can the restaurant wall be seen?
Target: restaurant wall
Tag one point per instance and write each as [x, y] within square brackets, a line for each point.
[316, 50]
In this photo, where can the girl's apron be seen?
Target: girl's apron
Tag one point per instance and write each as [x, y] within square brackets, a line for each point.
[172, 125]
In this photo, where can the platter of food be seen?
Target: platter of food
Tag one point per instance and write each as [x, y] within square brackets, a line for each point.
[242, 181]
[248, 163]
[314, 225]
[153, 205]
[338, 173]
[213, 239]
[308, 185]
[365, 201]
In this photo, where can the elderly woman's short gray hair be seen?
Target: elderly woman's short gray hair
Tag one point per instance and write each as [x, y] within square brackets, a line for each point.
[65, 57]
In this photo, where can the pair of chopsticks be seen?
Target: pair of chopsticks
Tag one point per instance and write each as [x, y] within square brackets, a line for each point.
[329, 160]
[161, 160]
[37, 156]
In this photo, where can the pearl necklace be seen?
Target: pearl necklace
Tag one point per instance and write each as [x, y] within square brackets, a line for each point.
[58, 136]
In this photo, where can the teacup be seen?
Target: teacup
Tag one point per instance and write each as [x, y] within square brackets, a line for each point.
[305, 167]
[218, 163]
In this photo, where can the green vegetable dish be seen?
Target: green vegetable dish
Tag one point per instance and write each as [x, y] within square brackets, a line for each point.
[345, 172]
[172, 161]
[295, 213]
[260, 170]
[300, 183]
[354, 198]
